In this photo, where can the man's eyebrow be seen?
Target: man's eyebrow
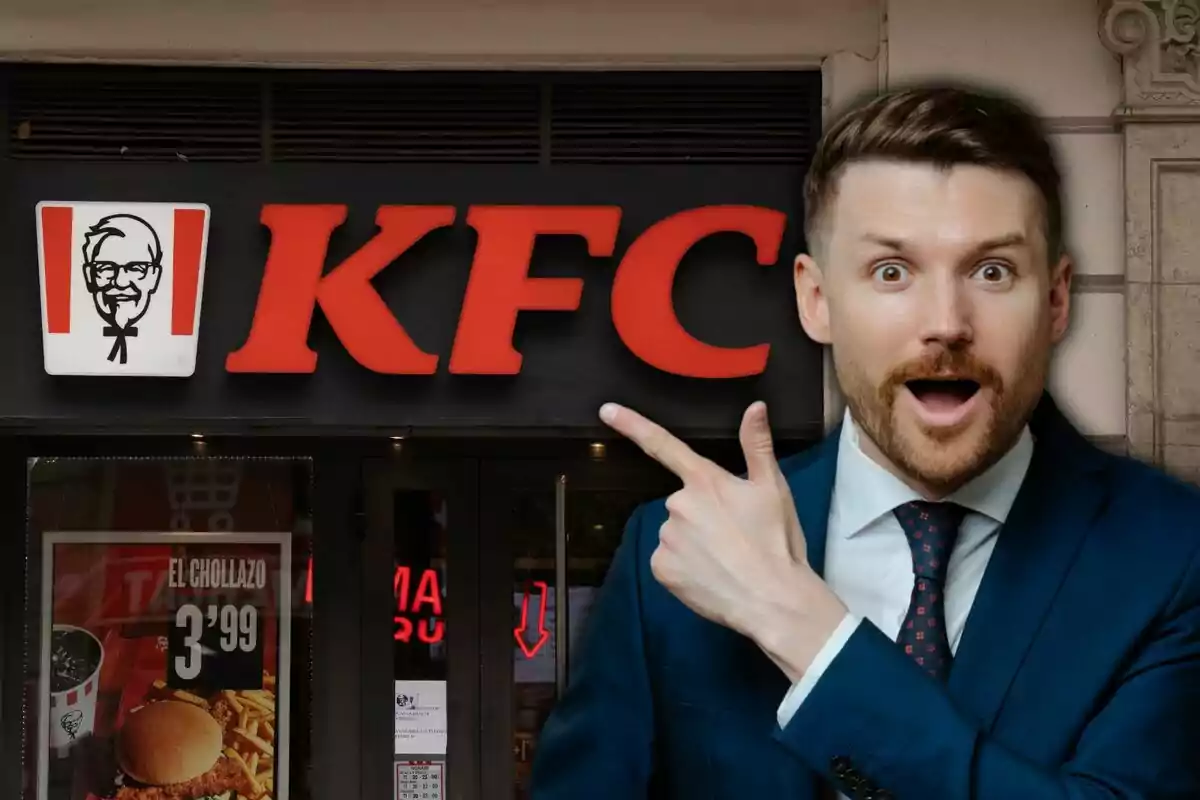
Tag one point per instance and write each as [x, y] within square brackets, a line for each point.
[1014, 239]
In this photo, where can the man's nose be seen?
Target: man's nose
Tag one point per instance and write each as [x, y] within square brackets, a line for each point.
[947, 311]
[123, 278]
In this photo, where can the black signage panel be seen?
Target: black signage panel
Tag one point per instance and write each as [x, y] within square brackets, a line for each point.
[572, 361]
[214, 646]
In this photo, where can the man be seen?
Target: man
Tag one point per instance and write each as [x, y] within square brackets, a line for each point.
[122, 267]
[955, 595]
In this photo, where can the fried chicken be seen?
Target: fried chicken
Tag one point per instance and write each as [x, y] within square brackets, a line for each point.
[221, 778]
[224, 713]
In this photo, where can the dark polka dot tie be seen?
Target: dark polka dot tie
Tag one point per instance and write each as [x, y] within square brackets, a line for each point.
[932, 529]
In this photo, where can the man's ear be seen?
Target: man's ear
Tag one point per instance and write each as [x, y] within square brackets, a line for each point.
[811, 300]
[1060, 298]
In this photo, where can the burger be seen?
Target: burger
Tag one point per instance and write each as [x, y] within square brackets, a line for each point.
[172, 750]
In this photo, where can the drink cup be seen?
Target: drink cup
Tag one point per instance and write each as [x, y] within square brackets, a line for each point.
[76, 656]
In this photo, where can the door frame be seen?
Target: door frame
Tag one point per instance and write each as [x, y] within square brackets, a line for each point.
[456, 479]
[498, 478]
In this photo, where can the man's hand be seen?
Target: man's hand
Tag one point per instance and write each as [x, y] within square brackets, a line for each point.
[732, 548]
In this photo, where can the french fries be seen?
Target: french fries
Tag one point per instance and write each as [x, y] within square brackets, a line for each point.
[250, 735]
[231, 698]
[248, 718]
[161, 688]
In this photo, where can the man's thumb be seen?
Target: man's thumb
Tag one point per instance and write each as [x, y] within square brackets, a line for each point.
[757, 445]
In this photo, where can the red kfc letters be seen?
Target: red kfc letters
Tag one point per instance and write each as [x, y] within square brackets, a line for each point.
[295, 282]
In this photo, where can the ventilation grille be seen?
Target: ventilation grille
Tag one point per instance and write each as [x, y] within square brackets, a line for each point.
[80, 116]
[406, 121]
[679, 119]
[102, 113]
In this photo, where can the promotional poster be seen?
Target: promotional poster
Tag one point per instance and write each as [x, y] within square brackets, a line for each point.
[165, 666]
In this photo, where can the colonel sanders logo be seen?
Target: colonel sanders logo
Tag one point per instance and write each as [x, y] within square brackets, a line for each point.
[122, 267]
[122, 285]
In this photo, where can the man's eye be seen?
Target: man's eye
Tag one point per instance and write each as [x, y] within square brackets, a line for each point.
[891, 272]
[994, 272]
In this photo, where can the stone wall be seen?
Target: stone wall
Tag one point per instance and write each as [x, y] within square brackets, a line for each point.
[1159, 116]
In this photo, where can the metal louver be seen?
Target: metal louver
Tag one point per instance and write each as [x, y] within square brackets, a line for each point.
[205, 115]
[406, 119]
[687, 118]
[109, 115]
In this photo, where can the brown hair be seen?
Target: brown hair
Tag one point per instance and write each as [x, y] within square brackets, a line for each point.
[944, 125]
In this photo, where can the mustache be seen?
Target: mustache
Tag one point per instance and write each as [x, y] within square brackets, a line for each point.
[944, 363]
[123, 294]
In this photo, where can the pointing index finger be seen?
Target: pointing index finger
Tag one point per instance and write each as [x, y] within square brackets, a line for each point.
[655, 440]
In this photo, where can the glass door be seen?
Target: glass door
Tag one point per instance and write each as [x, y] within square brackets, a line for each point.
[420, 634]
[548, 530]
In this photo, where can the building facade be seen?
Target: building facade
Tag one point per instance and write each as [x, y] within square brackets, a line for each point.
[1096, 64]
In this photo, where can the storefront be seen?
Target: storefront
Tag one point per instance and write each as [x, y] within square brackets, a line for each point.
[351, 330]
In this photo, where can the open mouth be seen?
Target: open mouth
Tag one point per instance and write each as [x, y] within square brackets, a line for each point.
[943, 401]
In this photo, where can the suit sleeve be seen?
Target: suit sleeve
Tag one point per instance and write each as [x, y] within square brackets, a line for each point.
[598, 741]
[875, 714]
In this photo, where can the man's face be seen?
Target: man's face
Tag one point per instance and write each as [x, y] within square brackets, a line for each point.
[121, 278]
[935, 291]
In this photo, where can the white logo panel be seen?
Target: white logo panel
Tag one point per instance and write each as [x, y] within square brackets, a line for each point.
[121, 287]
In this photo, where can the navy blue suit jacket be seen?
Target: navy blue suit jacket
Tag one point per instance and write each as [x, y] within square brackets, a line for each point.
[1077, 676]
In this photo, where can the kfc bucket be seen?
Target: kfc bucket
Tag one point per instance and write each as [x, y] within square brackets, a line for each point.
[76, 657]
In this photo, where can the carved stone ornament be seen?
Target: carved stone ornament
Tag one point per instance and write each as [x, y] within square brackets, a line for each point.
[1159, 42]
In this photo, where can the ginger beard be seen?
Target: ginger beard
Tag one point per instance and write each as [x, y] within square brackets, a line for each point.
[944, 457]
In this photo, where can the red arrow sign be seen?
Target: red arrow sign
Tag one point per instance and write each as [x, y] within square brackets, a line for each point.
[543, 635]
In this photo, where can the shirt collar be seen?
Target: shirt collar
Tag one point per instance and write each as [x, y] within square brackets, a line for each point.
[864, 491]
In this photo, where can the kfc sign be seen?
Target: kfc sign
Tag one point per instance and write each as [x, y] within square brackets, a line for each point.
[104, 265]
[296, 281]
[121, 286]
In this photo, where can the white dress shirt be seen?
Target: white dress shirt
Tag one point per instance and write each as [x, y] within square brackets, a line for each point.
[868, 563]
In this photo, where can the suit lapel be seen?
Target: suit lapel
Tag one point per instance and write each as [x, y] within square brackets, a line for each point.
[810, 476]
[1059, 499]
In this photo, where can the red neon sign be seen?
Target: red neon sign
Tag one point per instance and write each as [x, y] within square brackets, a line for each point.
[428, 595]
[543, 635]
[295, 282]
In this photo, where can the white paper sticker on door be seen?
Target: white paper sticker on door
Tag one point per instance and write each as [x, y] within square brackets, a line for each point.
[420, 717]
